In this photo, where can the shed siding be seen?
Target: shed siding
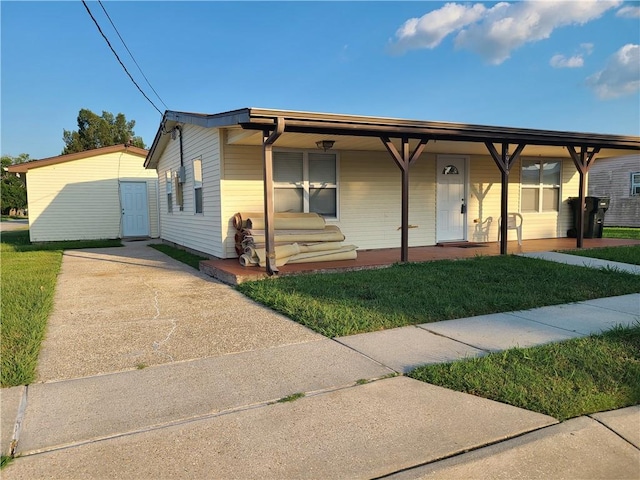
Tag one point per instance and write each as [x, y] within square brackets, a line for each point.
[80, 199]
[611, 178]
[197, 231]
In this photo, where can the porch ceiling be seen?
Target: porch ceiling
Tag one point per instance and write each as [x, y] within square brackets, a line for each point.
[239, 136]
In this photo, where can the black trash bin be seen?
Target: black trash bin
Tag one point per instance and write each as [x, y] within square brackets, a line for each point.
[593, 219]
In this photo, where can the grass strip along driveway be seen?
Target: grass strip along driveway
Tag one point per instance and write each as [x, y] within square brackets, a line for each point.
[630, 255]
[29, 274]
[564, 380]
[340, 304]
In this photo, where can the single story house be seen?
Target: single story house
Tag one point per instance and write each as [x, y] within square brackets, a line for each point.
[384, 182]
[103, 193]
[619, 180]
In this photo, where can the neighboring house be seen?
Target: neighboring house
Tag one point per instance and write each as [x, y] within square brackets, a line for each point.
[618, 179]
[211, 166]
[104, 193]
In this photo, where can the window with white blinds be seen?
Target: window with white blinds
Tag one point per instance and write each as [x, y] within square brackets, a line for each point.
[540, 186]
[306, 182]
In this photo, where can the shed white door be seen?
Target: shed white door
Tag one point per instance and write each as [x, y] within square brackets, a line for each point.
[451, 198]
[135, 209]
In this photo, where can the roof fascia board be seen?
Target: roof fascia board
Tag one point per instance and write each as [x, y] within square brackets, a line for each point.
[24, 167]
[375, 126]
[224, 119]
[171, 118]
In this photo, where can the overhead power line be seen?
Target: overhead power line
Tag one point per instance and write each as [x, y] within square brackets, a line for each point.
[118, 58]
[131, 54]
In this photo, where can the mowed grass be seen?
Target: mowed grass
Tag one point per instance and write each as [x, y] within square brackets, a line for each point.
[183, 256]
[29, 274]
[621, 232]
[563, 380]
[624, 254]
[340, 304]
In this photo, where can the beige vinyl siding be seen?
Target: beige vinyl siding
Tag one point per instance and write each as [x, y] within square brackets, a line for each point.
[200, 232]
[369, 203]
[371, 200]
[485, 194]
[80, 199]
[611, 177]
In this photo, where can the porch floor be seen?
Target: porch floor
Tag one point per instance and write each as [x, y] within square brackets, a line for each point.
[230, 271]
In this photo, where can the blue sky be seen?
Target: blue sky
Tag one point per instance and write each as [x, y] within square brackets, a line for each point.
[572, 65]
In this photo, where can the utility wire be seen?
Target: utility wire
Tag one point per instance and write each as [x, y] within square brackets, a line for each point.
[117, 57]
[131, 54]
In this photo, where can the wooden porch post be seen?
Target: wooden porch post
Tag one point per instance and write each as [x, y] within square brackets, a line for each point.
[582, 162]
[404, 161]
[267, 151]
[504, 162]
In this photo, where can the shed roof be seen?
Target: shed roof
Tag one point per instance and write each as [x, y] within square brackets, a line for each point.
[25, 167]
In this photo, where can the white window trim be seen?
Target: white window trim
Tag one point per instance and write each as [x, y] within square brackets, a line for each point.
[168, 180]
[634, 185]
[540, 187]
[306, 185]
[197, 184]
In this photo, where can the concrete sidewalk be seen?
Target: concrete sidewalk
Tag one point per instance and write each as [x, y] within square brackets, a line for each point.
[205, 405]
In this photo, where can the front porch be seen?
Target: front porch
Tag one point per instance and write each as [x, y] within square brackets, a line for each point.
[230, 271]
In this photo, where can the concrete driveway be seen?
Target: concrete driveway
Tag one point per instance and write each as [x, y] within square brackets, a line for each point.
[128, 308]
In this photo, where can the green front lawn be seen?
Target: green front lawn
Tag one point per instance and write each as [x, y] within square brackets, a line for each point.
[563, 380]
[29, 273]
[623, 254]
[621, 232]
[340, 304]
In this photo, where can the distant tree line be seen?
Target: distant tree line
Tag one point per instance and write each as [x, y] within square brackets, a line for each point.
[96, 131]
[13, 189]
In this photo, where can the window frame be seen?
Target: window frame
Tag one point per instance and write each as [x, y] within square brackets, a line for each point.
[540, 187]
[197, 185]
[168, 178]
[635, 185]
[305, 185]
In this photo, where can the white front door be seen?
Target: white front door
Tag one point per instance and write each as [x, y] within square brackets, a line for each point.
[135, 209]
[451, 198]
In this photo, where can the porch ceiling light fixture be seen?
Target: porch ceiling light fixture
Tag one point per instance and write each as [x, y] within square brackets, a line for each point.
[325, 144]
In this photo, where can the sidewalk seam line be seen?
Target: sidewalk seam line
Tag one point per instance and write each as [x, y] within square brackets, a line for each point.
[611, 430]
[186, 421]
[469, 450]
[17, 427]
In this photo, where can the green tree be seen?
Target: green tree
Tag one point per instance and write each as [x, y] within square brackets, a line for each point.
[13, 189]
[95, 131]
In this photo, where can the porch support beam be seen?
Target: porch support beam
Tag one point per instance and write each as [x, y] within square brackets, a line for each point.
[268, 139]
[504, 162]
[404, 161]
[582, 161]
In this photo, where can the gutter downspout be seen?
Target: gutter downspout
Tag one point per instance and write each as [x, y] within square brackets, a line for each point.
[267, 150]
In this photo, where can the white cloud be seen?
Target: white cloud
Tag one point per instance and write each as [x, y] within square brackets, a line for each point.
[628, 12]
[510, 26]
[576, 61]
[560, 61]
[621, 76]
[430, 29]
[587, 47]
[495, 32]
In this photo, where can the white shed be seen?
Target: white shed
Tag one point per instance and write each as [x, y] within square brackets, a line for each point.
[104, 193]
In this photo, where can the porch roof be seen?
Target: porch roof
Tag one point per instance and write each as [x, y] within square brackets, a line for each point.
[453, 137]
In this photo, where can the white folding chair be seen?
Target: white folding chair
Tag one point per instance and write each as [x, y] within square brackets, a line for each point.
[514, 222]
